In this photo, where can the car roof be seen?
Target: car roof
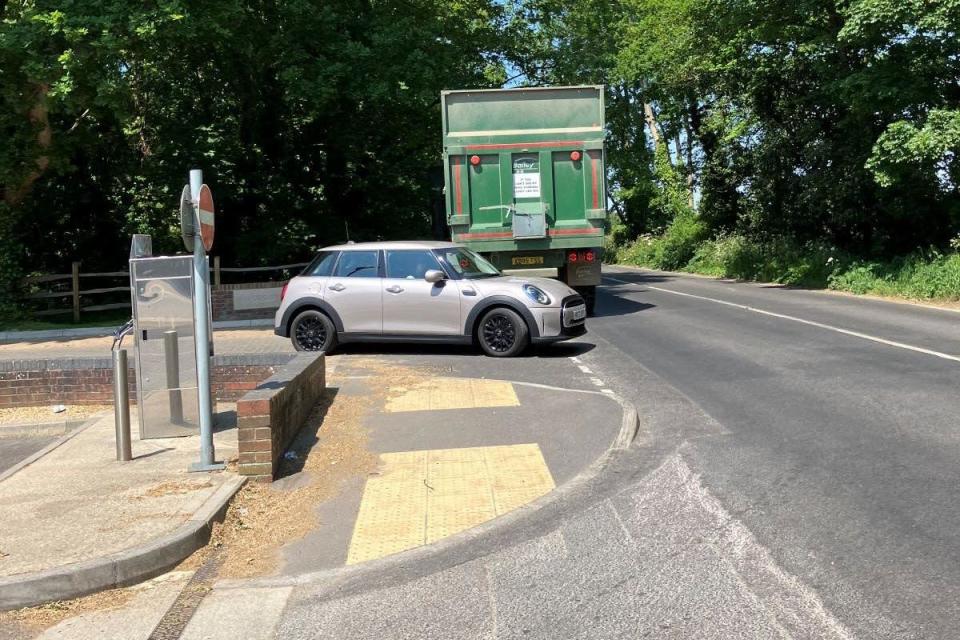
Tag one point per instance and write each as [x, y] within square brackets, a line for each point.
[394, 244]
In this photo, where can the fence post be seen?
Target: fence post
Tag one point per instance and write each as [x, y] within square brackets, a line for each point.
[76, 291]
[216, 271]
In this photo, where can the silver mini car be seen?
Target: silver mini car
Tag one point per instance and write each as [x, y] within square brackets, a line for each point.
[422, 292]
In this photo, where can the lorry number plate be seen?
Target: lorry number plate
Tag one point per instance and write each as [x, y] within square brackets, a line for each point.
[526, 260]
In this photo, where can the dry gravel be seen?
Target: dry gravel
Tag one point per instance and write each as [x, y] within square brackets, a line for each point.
[31, 621]
[45, 414]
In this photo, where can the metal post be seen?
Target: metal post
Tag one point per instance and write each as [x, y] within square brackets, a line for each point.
[171, 357]
[216, 271]
[75, 282]
[121, 405]
[201, 283]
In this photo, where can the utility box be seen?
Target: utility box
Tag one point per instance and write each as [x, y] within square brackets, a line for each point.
[163, 314]
[524, 179]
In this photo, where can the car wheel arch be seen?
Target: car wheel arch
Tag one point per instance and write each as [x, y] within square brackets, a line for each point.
[311, 304]
[473, 319]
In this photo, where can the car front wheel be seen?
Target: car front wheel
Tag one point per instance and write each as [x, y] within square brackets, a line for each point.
[313, 331]
[502, 333]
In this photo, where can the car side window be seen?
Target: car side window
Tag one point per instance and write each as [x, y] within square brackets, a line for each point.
[322, 265]
[358, 264]
[410, 265]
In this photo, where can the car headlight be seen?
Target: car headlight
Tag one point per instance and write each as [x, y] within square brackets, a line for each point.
[536, 294]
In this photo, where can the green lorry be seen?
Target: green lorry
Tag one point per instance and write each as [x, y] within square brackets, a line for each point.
[524, 179]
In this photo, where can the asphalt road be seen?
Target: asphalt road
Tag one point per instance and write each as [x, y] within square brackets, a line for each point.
[827, 425]
[13, 450]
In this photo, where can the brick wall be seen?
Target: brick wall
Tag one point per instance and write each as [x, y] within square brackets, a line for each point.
[270, 416]
[222, 302]
[84, 381]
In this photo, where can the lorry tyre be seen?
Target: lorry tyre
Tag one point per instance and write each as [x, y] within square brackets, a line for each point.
[590, 300]
[312, 330]
[502, 333]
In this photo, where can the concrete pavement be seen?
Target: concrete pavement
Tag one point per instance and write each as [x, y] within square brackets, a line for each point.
[75, 520]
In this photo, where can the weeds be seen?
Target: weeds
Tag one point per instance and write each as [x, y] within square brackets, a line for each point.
[927, 275]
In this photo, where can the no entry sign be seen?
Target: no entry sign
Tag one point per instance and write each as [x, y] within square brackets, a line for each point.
[205, 212]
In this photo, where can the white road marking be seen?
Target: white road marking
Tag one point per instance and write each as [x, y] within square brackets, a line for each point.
[819, 325]
[584, 369]
[598, 382]
[609, 392]
[575, 359]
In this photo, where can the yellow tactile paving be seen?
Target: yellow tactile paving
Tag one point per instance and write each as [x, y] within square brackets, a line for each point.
[423, 496]
[437, 394]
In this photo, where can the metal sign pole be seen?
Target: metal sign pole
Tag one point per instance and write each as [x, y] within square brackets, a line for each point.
[201, 278]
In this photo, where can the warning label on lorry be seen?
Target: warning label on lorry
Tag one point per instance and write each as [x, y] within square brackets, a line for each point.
[526, 177]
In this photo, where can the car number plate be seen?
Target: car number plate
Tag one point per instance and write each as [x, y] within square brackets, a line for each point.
[579, 313]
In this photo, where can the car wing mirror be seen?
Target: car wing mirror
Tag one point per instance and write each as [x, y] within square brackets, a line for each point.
[434, 276]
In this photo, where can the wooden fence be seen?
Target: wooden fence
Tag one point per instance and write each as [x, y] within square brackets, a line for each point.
[61, 287]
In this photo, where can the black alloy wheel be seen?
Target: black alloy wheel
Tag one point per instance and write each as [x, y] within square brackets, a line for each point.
[502, 333]
[313, 331]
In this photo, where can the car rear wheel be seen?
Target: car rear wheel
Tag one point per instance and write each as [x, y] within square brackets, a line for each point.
[313, 331]
[502, 333]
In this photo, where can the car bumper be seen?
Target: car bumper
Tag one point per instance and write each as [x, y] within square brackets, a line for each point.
[556, 323]
[566, 334]
[279, 326]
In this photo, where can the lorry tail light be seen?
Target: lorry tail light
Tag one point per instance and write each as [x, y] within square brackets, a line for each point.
[588, 256]
[474, 160]
[572, 257]
[283, 291]
[575, 156]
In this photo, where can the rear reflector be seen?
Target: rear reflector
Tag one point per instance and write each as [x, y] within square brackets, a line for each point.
[283, 291]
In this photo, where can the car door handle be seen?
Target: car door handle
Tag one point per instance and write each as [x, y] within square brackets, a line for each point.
[337, 287]
[395, 289]
[469, 292]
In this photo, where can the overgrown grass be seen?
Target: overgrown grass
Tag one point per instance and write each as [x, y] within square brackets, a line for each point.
[927, 275]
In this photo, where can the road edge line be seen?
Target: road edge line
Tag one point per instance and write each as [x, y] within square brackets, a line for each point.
[798, 320]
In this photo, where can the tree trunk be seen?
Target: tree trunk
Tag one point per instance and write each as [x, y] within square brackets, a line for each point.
[651, 120]
[38, 115]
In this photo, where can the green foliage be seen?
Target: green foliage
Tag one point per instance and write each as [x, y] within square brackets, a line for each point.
[789, 132]
[928, 275]
[921, 276]
[775, 260]
[617, 235]
[931, 148]
[671, 250]
[11, 266]
[309, 118]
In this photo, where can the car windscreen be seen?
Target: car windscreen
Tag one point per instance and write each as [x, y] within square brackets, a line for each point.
[467, 264]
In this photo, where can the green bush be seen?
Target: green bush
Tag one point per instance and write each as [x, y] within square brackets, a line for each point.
[921, 276]
[777, 260]
[671, 250]
[617, 236]
[928, 275]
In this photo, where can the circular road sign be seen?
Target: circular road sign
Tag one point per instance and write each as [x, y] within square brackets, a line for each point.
[205, 211]
[187, 230]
